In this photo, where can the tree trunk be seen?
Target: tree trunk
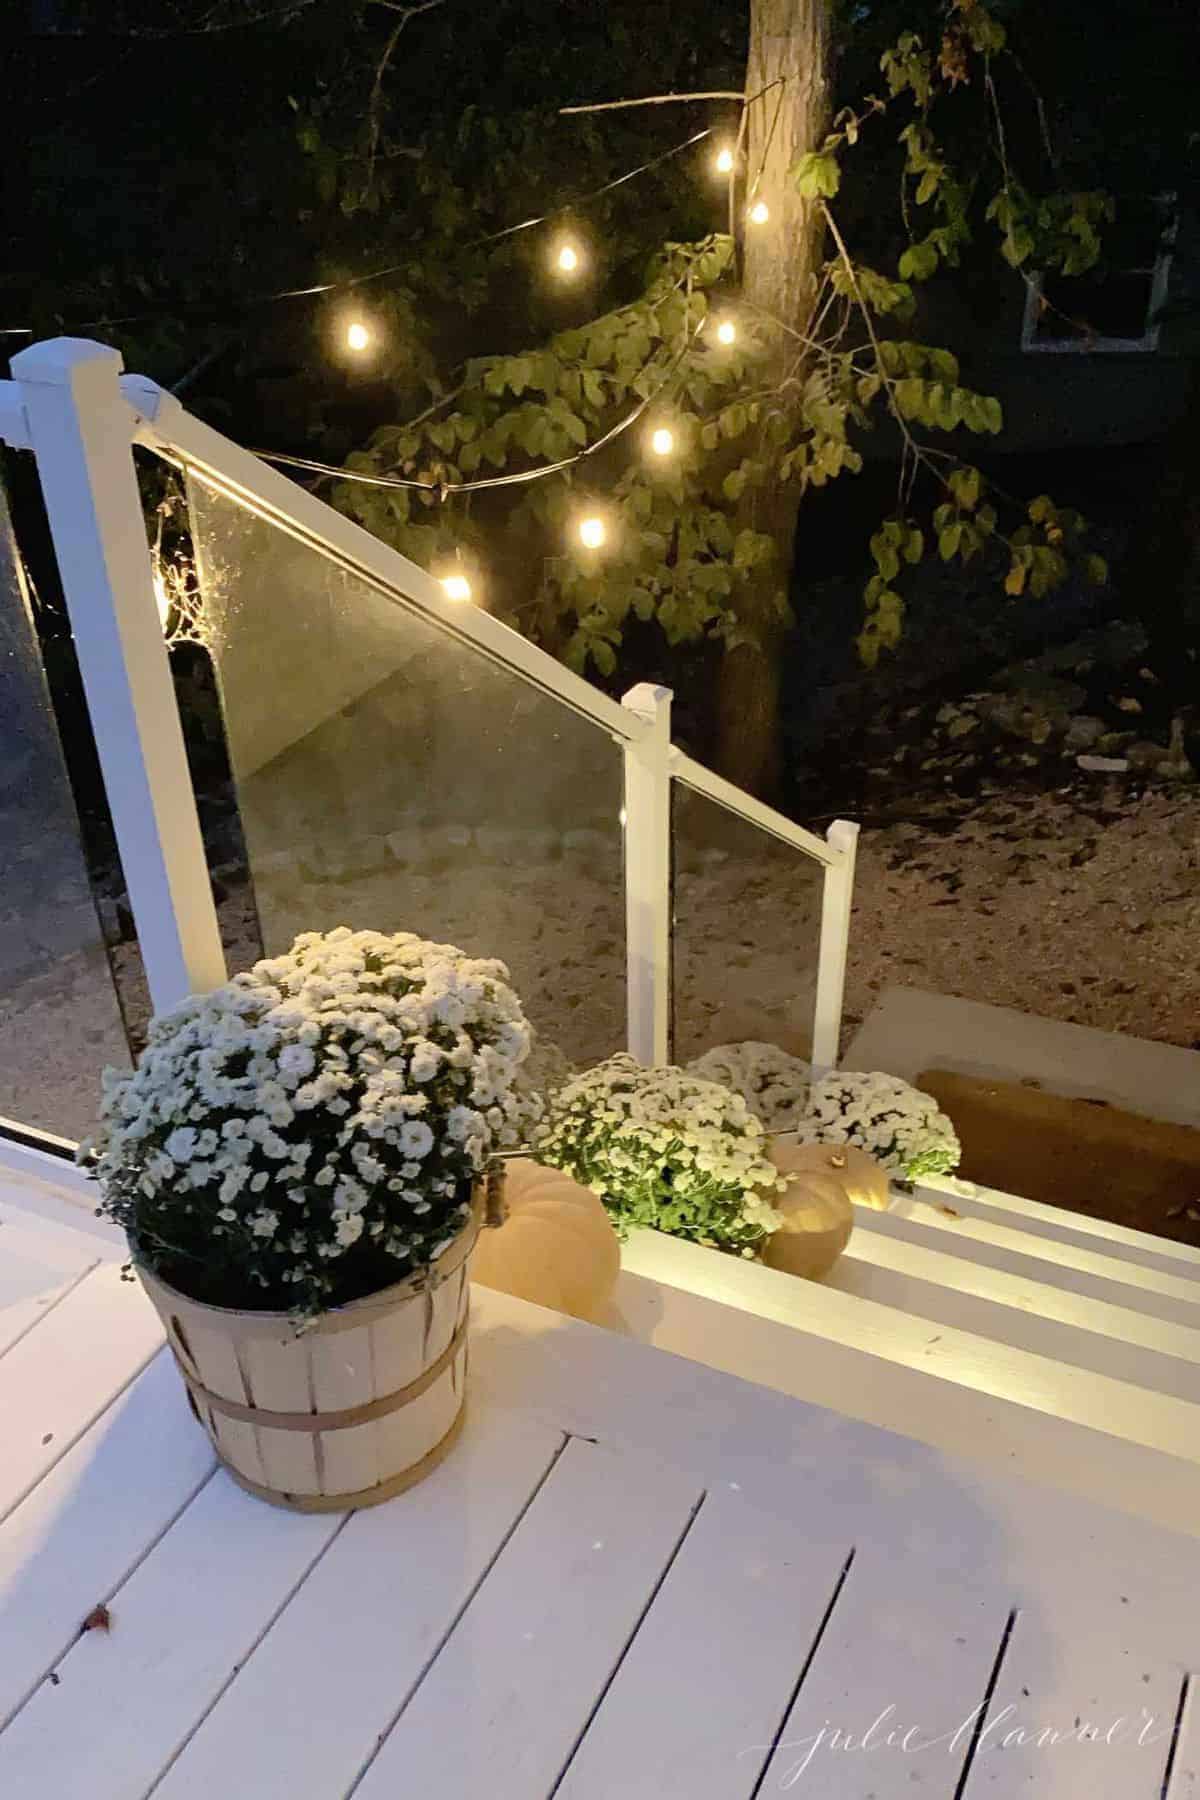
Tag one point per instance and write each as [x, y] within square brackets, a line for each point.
[789, 44]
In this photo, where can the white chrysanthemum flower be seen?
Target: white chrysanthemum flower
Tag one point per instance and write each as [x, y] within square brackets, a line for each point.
[897, 1124]
[664, 1147]
[334, 1077]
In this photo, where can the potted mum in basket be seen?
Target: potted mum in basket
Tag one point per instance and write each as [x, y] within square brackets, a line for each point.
[297, 1165]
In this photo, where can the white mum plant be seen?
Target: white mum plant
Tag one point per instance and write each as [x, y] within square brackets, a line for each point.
[891, 1120]
[773, 1084]
[663, 1147]
[311, 1131]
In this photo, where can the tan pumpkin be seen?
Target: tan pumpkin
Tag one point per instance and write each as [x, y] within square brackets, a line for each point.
[865, 1180]
[556, 1245]
[817, 1216]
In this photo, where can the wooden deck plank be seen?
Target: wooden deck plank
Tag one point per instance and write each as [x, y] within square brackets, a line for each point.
[1033, 1315]
[695, 1702]
[1075, 1267]
[355, 1640]
[38, 1267]
[1079, 1229]
[125, 1700]
[501, 1709]
[1075, 1713]
[886, 1706]
[85, 1526]
[60, 1377]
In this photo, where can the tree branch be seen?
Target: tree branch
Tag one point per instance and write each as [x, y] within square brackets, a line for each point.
[374, 102]
[655, 100]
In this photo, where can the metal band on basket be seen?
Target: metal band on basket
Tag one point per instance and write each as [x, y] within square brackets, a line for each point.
[329, 1421]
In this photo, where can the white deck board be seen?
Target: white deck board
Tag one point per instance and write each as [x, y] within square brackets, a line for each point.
[502, 1707]
[38, 1267]
[72, 1542]
[711, 1575]
[1101, 1274]
[901, 1666]
[61, 1375]
[126, 1700]
[712, 1670]
[386, 1605]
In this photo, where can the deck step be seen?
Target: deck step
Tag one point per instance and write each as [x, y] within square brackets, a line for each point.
[1064, 1227]
[1106, 1275]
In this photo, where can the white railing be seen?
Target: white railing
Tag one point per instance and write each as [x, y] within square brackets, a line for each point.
[69, 403]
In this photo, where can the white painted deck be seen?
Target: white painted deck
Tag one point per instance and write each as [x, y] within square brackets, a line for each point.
[635, 1576]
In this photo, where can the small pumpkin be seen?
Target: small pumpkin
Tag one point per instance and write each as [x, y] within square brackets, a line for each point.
[864, 1179]
[817, 1215]
[556, 1245]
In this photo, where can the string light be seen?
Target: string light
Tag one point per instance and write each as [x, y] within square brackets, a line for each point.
[456, 586]
[593, 532]
[566, 257]
[358, 337]
[726, 331]
[662, 441]
[723, 162]
[759, 213]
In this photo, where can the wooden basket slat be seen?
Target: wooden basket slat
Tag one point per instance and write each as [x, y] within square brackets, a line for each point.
[343, 1371]
[277, 1377]
[261, 1362]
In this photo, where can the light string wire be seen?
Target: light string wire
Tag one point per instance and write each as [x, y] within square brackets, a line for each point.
[444, 489]
[351, 282]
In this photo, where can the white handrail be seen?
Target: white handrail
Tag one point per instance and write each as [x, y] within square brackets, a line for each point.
[165, 426]
[736, 800]
[82, 426]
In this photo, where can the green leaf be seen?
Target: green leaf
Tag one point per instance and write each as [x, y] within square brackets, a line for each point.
[817, 175]
[919, 262]
[914, 549]
[964, 484]
[734, 484]
[948, 542]
[1096, 570]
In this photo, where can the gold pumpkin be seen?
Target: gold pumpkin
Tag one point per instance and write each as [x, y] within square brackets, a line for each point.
[817, 1216]
[556, 1245]
[865, 1180]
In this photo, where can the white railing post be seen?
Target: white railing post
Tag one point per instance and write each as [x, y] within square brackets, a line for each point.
[81, 431]
[648, 874]
[837, 900]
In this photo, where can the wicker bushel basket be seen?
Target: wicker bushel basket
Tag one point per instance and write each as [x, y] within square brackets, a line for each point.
[356, 1407]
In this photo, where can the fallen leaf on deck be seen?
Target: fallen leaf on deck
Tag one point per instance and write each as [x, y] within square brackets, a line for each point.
[99, 1619]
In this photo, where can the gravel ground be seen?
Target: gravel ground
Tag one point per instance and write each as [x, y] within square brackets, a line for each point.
[1078, 905]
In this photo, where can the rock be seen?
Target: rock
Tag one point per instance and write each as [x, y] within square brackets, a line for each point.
[1113, 742]
[1144, 755]
[1083, 733]
[1103, 765]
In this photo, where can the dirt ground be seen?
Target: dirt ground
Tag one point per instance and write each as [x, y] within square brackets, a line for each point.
[1081, 905]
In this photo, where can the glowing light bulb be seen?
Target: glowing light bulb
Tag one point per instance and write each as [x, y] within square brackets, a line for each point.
[662, 441]
[726, 332]
[592, 532]
[456, 587]
[760, 212]
[566, 259]
[723, 163]
[357, 336]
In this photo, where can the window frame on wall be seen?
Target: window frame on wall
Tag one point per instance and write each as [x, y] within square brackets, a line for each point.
[1085, 343]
